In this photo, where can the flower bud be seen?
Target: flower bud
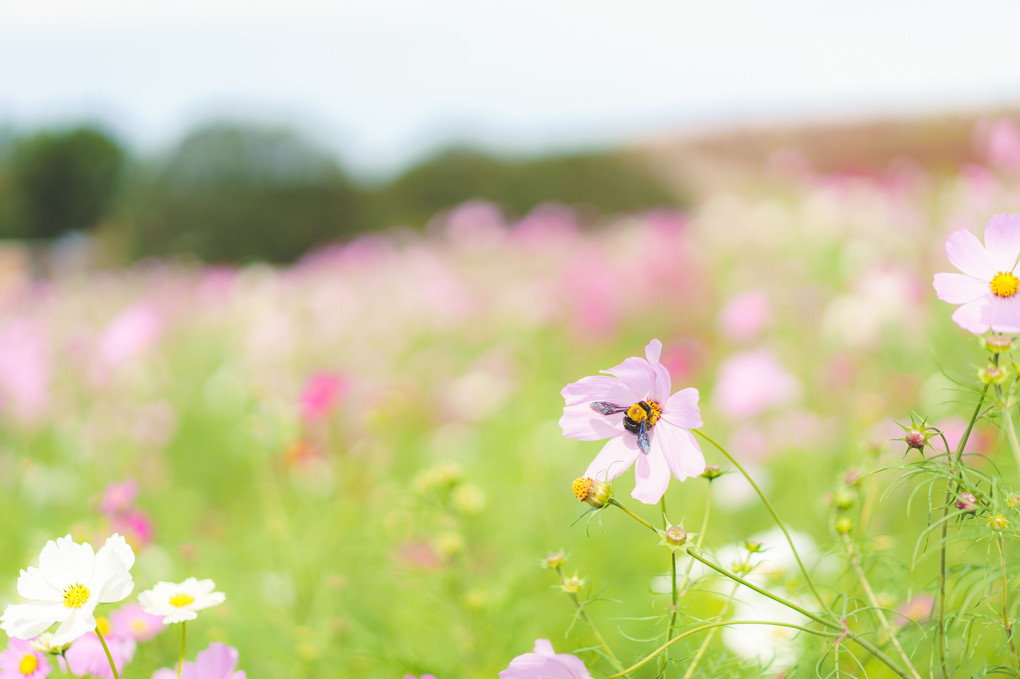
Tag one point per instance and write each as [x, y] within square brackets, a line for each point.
[993, 374]
[998, 522]
[967, 502]
[676, 536]
[916, 438]
[752, 546]
[595, 493]
[554, 560]
[1013, 501]
[573, 584]
[843, 500]
[998, 343]
[852, 477]
[844, 525]
[44, 644]
[712, 472]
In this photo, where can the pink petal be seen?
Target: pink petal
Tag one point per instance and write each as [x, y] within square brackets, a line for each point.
[597, 388]
[584, 424]
[637, 375]
[544, 647]
[968, 255]
[653, 351]
[615, 458]
[652, 478]
[682, 409]
[1002, 241]
[660, 391]
[970, 316]
[681, 452]
[957, 288]
[1002, 314]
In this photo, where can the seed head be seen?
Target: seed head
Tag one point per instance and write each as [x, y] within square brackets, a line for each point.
[967, 502]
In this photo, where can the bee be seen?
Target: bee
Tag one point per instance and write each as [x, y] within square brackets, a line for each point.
[638, 418]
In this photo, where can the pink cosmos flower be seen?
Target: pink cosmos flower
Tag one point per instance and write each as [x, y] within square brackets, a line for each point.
[132, 622]
[644, 424]
[87, 657]
[118, 498]
[751, 382]
[544, 663]
[424, 676]
[216, 662]
[987, 288]
[320, 395]
[746, 315]
[21, 661]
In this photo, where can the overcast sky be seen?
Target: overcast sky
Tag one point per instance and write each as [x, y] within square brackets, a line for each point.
[382, 81]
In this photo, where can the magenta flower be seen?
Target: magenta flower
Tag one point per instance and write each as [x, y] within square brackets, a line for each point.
[320, 395]
[21, 661]
[544, 663]
[987, 288]
[118, 497]
[216, 662]
[644, 424]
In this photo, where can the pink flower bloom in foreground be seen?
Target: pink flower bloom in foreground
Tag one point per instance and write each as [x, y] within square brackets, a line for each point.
[21, 661]
[87, 657]
[216, 662]
[544, 663]
[644, 424]
[987, 288]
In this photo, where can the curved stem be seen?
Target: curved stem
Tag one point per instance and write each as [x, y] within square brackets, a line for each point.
[1007, 624]
[674, 599]
[855, 561]
[712, 625]
[1007, 421]
[775, 517]
[588, 621]
[633, 515]
[109, 657]
[954, 462]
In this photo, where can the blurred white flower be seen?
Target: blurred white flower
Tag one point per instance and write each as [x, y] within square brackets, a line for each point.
[179, 602]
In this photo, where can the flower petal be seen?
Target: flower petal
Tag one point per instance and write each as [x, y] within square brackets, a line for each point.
[32, 585]
[1002, 314]
[218, 660]
[663, 384]
[65, 562]
[1002, 241]
[638, 375]
[970, 316]
[615, 458]
[78, 623]
[681, 452]
[968, 255]
[682, 410]
[111, 581]
[958, 288]
[25, 621]
[597, 388]
[652, 477]
[544, 647]
[584, 424]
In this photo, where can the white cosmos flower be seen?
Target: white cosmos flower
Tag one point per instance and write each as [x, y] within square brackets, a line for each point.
[69, 583]
[179, 602]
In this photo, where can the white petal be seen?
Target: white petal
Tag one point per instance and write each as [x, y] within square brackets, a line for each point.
[1002, 314]
[32, 585]
[118, 545]
[1002, 241]
[584, 424]
[111, 581]
[25, 621]
[78, 623]
[180, 615]
[638, 375]
[970, 316]
[958, 288]
[680, 450]
[682, 410]
[967, 254]
[65, 562]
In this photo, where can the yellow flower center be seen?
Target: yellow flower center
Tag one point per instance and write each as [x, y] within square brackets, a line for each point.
[181, 599]
[582, 488]
[76, 595]
[29, 664]
[1005, 284]
[138, 625]
[103, 626]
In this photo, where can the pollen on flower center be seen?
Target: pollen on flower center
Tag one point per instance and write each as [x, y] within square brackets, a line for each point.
[29, 664]
[181, 599]
[1005, 284]
[582, 488]
[642, 411]
[76, 595]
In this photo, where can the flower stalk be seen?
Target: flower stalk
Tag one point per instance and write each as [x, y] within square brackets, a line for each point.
[583, 614]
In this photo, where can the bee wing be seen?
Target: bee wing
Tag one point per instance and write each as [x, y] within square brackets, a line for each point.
[606, 408]
[643, 440]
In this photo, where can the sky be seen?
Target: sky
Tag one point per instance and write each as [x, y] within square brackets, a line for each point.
[383, 82]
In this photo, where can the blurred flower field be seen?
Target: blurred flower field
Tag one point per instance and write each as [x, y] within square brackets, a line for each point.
[363, 450]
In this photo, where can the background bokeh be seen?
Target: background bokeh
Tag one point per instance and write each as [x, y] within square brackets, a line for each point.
[323, 367]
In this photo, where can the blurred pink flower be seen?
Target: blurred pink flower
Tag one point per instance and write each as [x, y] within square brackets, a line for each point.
[216, 662]
[132, 622]
[745, 316]
[25, 369]
[119, 497]
[987, 288]
[135, 526]
[644, 424]
[544, 663]
[752, 382]
[86, 655]
[918, 608]
[321, 393]
[999, 141]
[129, 334]
[424, 676]
[21, 661]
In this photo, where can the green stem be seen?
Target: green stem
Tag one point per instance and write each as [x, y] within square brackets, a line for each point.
[1007, 624]
[775, 517]
[954, 461]
[180, 663]
[634, 516]
[1007, 421]
[712, 625]
[674, 599]
[588, 621]
[109, 657]
[708, 637]
[855, 561]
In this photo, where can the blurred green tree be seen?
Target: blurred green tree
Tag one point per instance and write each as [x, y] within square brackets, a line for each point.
[56, 182]
[235, 192]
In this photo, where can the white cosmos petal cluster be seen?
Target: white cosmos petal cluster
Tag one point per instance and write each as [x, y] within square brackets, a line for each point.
[69, 583]
[178, 602]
